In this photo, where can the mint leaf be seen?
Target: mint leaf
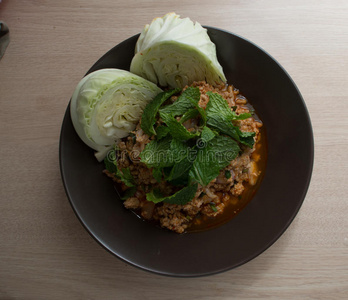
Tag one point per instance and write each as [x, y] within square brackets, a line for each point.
[156, 153]
[182, 180]
[181, 197]
[185, 101]
[127, 177]
[148, 118]
[155, 196]
[176, 129]
[218, 153]
[179, 150]
[186, 105]
[223, 125]
[226, 127]
[124, 175]
[180, 169]
[163, 153]
[220, 117]
[201, 111]
[218, 105]
[157, 174]
[245, 137]
[161, 132]
[184, 157]
[190, 114]
[207, 134]
[128, 193]
[111, 163]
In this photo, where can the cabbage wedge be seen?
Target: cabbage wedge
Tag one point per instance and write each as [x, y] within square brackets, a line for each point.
[107, 105]
[175, 52]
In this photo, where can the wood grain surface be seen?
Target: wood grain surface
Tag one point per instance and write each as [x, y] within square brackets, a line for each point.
[45, 253]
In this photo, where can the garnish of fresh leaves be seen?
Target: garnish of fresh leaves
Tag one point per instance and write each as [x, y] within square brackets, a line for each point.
[186, 101]
[216, 155]
[163, 153]
[166, 156]
[181, 197]
[185, 107]
[190, 114]
[161, 131]
[176, 129]
[207, 134]
[184, 158]
[148, 118]
[124, 175]
[220, 117]
[128, 193]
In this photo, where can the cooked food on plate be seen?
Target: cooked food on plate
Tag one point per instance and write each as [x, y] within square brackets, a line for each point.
[184, 148]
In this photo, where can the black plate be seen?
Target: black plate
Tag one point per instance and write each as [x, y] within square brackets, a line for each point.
[289, 167]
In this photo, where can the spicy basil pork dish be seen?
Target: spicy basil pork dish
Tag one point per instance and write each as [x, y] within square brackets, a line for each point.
[184, 148]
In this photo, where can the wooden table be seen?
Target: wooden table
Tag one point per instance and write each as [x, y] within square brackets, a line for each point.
[45, 253]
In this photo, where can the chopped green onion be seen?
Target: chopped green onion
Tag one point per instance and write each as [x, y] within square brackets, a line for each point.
[228, 174]
[213, 207]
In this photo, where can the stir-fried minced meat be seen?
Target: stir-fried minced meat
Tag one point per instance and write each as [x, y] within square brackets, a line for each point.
[210, 200]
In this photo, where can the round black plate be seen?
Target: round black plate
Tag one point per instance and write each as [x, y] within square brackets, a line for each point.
[289, 167]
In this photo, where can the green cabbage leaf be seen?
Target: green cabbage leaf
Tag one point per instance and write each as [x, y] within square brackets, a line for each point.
[175, 52]
[107, 105]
